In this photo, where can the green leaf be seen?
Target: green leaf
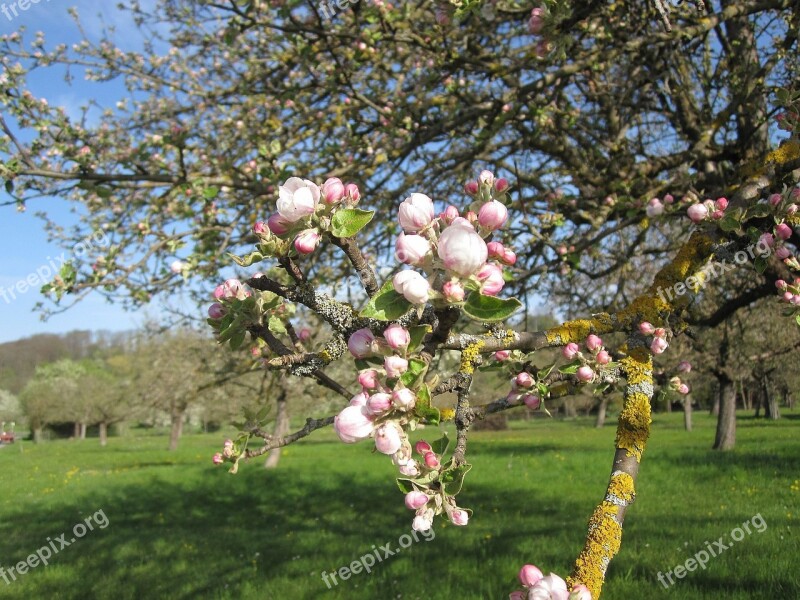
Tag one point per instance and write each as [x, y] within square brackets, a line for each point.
[386, 305]
[570, 368]
[488, 308]
[405, 485]
[248, 259]
[429, 414]
[758, 211]
[210, 192]
[9, 186]
[416, 370]
[760, 264]
[797, 320]
[347, 222]
[453, 479]
[238, 339]
[729, 223]
[418, 333]
[276, 325]
[543, 373]
[440, 445]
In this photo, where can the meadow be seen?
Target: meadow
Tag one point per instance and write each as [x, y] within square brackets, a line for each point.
[178, 527]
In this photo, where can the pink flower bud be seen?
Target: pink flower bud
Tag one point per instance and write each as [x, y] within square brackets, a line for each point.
[492, 215]
[787, 296]
[491, 278]
[461, 249]
[260, 228]
[783, 231]
[495, 249]
[593, 343]
[278, 225]
[232, 288]
[471, 188]
[717, 215]
[697, 212]
[646, 328]
[359, 399]
[486, 178]
[658, 345]
[551, 586]
[660, 332]
[603, 358]
[216, 311]
[532, 401]
[431, 460]
[368, 379]
[766, 240]
[536, 21]
[422, 523]
[177, 267]
[395, 366]
[397, 336]
[783, 253]
[721, 203]
[669, 199]
[333, 190]
[791, 210]
[517, 595]
[795, 193]
[459, 517]
[450, 214]
[416, 499]
[502, 355]
[307, 241]
[412, 249]
[654, 208]
[361, 343]
[529, 575]
[217, 459]
[388, 438]
[351, 191]
[570, 351]
[684, 366]
[410, 469]
[353, 424]
[453, 291]
[584, 374]
[509, 257]
[524, 380]
[580, 592]
[379, 403]
[780, 284]
[501, 185]
[413, 286]
[297, 199]
[416, 212]
[796, 299]
[422, 447]
[404, 399]
[775, 199]
[683, 389]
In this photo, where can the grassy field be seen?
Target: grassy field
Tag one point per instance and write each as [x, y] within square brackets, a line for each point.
[180, 528]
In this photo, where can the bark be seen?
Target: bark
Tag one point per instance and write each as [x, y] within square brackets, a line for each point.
[83, 431]
[771, 407]
[176, 418]
[103, 433]
[601, 412]
[76, 433]
[715, 406]
[726, 423]
[281, 429]
[37, 434]
[687, 412]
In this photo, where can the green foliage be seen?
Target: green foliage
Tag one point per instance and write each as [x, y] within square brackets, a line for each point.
[387, 304]
[490, 308]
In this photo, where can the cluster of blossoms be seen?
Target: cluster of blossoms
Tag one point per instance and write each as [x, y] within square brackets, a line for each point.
[659, 342]
[535, 26]
[384, 410]
[231, 289]
[453, 244]
[788, 121]
[547, 587]
[789, 293]
[675, 383]
[227, 453]
[709, 209]
[585, 373]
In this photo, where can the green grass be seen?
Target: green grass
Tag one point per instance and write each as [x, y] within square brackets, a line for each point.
[181, 528]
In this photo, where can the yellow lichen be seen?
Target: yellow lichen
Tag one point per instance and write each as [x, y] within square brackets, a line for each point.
[787, 152]
[578, 330]
[447, 414]
[633, 427]
[602, 544]
[325, 356]
[470, 356]
[621, 487]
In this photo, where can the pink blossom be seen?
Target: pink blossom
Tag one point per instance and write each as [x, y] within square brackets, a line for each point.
[415, 500]
[524, 380]
[461, 249]
[459, 517]
[217, 459]
[486, 178]
[697, 212]
[177, 267]
[278, 225]
[570, 351]
[767, 240]
[660, 332]
[471, 188]
[654, 208]
[412, 249]
[532, 401]
[580, 592]
[416, 212]
[501, 185]
[395, 366]
[684, 366]
[646, 328]
[379, 403]
[232, 288]
[368, 379]
[502, 355]
[431, 460]
[491, 278]
[495, 249]
[775, 199]
[304, 334]
[683, 389]
[333, 190]
[351, 191]
[388, 438]
[422, 522]
[307, 241]
[453, 291]
[536, 21]
[550, 587]
[783, 231]
[603, 358]
[593, 343]
[492, 215]
[404, 399]
[584, 374]
[783, 253]
[216, 311]
[353, 424]
[791, 210]
[413, 286]
[721, 203]
[359, 399]
[361, 343]
[658, 345]
[410, 469]
[509, 257]
[529, 575]
[297, 199]
[397, 336]
[422, 447]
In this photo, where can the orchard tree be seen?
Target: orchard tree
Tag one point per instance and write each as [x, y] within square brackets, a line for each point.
[618, 158]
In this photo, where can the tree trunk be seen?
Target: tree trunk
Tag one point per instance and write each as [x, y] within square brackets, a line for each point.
[281, 428]
[601, 412]
[76, 432]
[726, 422]
[103, 433]
[83, 431]
[714, 412]
[37, 434]
[771, 408]
[176, 420]
[687, 412]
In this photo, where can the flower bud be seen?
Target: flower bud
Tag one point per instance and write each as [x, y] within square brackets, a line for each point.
[492, 215]
[502, 355]
[404, 399]
[353, 424]
[775, 199]
[359, 399]
[697, 212]
[658, 345]
[717, 215]
[791, 210]
[532, 401]
[332, 190]
[496, 249]
[550, 586]
[422, 522]
[788, 296]
[232, 288]
[780, 284]
[352, 192]
[603, 358]
[593, 343]
[217, 459]
[580, 592]
[453, 291]
[307, 241]
[570, 351]
[361, 343]
[517, 595]
[422, 447]
[397, 337]
[412, 249]
[584, 374]
[410, 469]
[669, 199]
[395, 366]
[461, 249]
[783, 231]
[216, 311]
[379, 403]
[413, 286]
[297, 199]
[721, 203]
[524, 380]
[536, 21]
[416, 212]
[491, 278]
[684, 366]
[660, 332]
[529, 575]
[509, 257]
[654, 208]
[459, 517]
[683, 389]
[767, 240]
[261, 228]
[415, 500]
[450, 214]
[278, 225]
[471, 188]
[646, 328]
[388, 438]
[501, 185]
[783, 253]
[431, 460]
[486, 178]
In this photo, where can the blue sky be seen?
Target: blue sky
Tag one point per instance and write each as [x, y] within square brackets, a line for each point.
[23, 242]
